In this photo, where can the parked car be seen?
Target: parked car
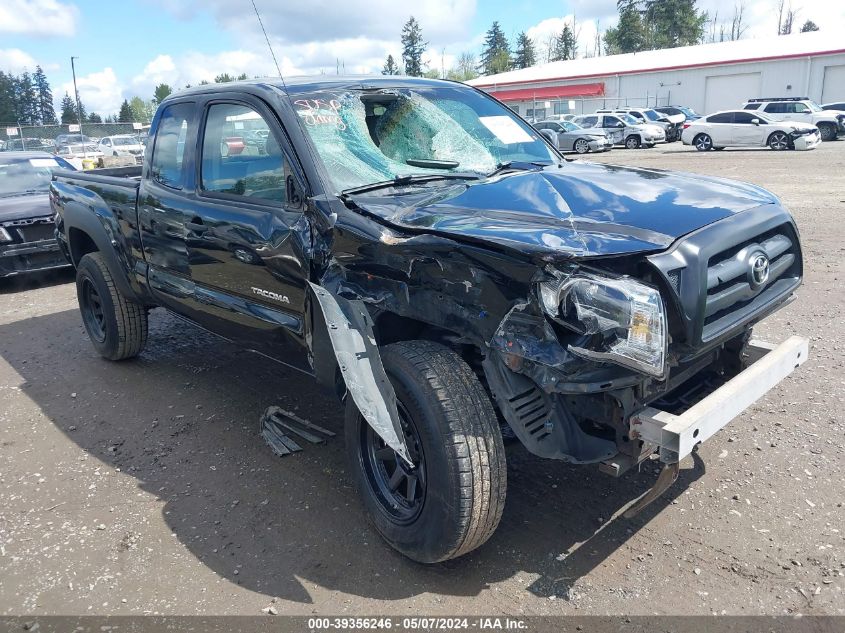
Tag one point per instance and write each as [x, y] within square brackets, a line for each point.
[27, 145]
[838, 105]
[623, 129]
[72, 139]
[648, 116]
[425, 255]
[830, 122]
[121, 145]
[569, 137]
[679, 114]
[75, 154]
[27, 242]
[742, 128]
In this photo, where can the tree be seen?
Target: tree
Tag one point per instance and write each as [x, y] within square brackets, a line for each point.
[26, 100]
[243, 76]
[125, 115]
[496, 55]
[566, 45]
[94, 118]
[524, 56]
[465, 68]
[390, 67]
[69, 114]
[44, 97]
[223, 78]
[786, 17]
[413, 48]
[7, 98]
[162, 91]
[629, 34]
[809, 26]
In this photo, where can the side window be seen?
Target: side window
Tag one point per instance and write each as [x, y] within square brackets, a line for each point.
[589, 121]
[240, 155]
[776, 108]
[744, 118]
[166, 166]
[722, 117]
[612, 121]
[752, 106]
[799, 108]
[637, 115]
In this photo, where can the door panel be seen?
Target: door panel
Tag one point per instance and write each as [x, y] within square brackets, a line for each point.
[833, 88]
[745, 132]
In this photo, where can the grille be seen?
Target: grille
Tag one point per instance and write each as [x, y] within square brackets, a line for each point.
[731, 286]
[37, 232]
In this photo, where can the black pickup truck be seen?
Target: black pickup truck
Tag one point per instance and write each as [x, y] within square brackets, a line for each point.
[431, 259]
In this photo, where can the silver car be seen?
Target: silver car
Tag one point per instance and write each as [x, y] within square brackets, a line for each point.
[623, 129]
[569, 137]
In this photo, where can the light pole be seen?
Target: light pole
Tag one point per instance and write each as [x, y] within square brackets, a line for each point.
[76, 94]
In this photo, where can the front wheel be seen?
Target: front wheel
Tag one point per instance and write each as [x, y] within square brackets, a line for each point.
[703, 143]
[632, 142]
[827, 132]
[451, 500]
[582, 146]
[779, 141]
[116, 325]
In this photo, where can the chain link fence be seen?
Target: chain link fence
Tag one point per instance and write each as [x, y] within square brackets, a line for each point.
[43, 137]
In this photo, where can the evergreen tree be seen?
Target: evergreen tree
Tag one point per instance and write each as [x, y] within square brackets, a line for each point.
[162, 91]
[68, 110]
[26, 100]
[390, 67]
[94, 118]
[7, 98]
[629, 35]
[496, 55]
[46, 111]
[125, 114]
[809, 26]
[413, 48]
[524, 56]
[566, 46]
[223, 78]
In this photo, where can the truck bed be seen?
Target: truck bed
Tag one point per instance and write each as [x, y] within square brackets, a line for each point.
[121, 176]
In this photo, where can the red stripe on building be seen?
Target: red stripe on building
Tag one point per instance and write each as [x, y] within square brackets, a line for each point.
[551, 92]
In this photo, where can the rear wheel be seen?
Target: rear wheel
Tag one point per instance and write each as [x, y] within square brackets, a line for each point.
[582, 146]
[116, 326]
[827, 132]
[703, 143]
[779, 141]
[632, 142]
[450, 501]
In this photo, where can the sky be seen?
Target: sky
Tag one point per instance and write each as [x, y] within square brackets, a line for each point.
[125, 48]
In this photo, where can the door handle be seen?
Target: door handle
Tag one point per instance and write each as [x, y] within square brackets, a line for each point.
[196, 227]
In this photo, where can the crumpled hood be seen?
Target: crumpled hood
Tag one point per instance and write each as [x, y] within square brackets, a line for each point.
[22, 207]
[577, 210]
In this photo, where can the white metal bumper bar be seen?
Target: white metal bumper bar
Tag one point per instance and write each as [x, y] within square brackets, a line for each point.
[677, 435]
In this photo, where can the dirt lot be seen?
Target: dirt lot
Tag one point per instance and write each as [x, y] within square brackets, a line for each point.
[143, 487]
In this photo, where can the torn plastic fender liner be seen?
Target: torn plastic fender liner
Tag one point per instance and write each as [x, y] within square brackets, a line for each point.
[350, 331]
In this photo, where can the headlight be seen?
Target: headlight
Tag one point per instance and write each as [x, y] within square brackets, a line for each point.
[626, 318]
[4, 235]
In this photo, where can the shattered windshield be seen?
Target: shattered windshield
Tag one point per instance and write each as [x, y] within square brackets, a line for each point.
[368, 136]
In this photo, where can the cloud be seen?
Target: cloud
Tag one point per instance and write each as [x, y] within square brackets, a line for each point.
[38, 17]
[100, 92]
[15, 60]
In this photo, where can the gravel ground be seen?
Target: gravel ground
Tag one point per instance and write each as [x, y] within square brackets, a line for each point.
[143, 487]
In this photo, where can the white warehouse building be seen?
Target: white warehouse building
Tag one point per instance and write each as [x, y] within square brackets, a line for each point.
[706, 77]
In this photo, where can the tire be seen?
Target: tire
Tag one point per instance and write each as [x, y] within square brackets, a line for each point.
[779, 141]
[582, 146]
[703, 143]
[718, 149]
[116, 326]
[632, 142]
[455, 500]
[827, 132]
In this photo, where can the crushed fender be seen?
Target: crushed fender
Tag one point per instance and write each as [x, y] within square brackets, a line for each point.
[350, 330]
[276, 424]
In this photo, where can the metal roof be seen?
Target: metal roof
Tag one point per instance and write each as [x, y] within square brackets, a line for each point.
[740, 51]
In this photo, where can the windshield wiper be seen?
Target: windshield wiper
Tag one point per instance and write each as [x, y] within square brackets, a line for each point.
[516, 165]
[409, 179]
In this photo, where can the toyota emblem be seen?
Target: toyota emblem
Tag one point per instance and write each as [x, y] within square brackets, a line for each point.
[759, 270]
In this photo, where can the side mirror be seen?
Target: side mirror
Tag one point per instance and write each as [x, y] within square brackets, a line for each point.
[755, 121]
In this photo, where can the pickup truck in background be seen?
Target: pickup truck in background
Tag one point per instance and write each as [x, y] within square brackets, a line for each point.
[431, 259]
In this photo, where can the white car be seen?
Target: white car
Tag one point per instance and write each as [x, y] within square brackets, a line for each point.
[744, 128]
[121, 145]
[74, 154]
[830, 122]
[623, 129]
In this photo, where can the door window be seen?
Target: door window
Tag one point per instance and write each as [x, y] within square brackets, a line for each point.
[166, 166]
[799, 108]
[722, 117]
[241, 156]
[776, 108]
[745, 118]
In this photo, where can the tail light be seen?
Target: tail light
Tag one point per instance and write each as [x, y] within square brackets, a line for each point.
[686, 125]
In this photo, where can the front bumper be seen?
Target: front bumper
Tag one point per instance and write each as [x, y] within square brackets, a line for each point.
[807, 141]
[675, 436]
[601, 145]
[33, 247]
